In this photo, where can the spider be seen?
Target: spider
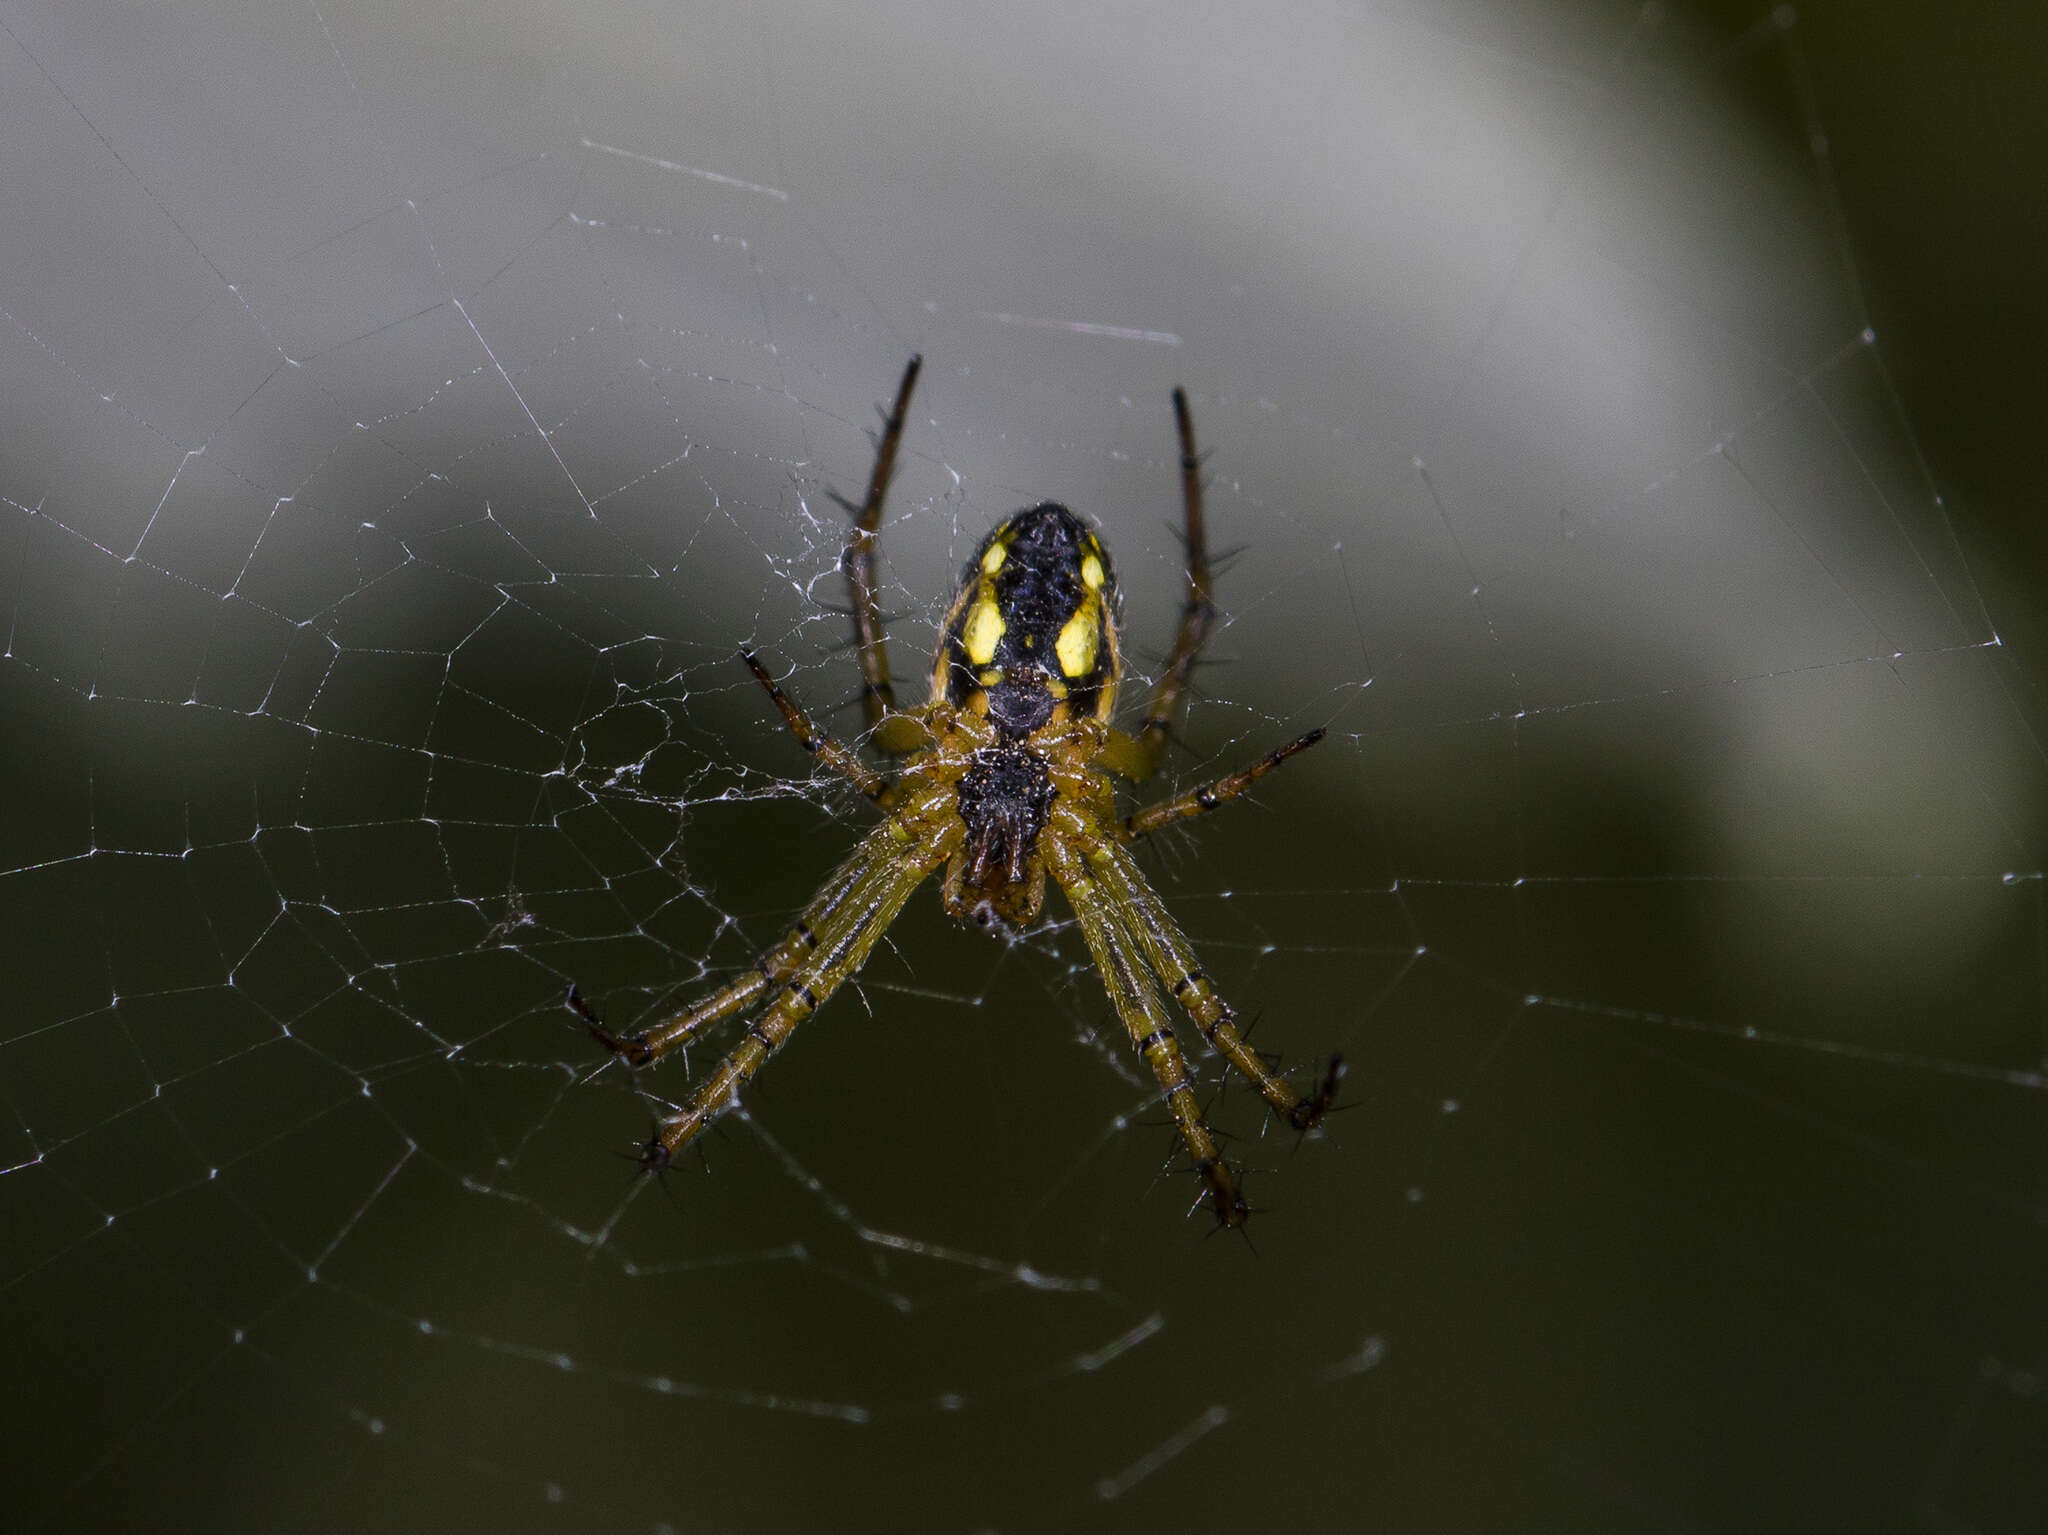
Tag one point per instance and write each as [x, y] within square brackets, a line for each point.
[1006, 783]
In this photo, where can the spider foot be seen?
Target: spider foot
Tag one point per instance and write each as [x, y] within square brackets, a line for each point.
[1308, 1113]
[633, 1048]
[654, 1156]
[1222, 1194]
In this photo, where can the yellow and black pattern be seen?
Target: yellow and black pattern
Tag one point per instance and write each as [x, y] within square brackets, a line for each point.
[1007, 789]
[1031, 638]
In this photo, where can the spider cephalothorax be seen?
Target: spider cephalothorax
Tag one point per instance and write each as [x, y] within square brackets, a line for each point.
[1007, 785]
[998, 876]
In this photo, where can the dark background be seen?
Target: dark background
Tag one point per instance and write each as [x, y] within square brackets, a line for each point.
[1678, 904]
[1932, 128]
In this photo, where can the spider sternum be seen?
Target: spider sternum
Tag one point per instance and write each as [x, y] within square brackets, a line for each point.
[997, 879]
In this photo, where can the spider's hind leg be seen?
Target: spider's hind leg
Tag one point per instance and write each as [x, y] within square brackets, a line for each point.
[878, 692]
[1198, 607]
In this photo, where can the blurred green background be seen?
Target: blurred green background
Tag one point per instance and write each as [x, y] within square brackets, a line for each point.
[1671, 879]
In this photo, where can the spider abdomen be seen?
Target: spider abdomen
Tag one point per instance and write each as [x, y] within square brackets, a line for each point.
[998, 876]
[1031, 636]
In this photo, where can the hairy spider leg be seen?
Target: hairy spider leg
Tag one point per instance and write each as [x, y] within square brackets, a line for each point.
[888, 865]
[877, 692]
[781, 960]
[842, 760]
[1197, 613]
[1211, 796]
[774, 966]
[1173, 959]
[1120, 961]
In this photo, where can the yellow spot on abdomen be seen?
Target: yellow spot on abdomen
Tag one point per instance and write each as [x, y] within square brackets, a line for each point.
[984, 627]
[1079, 640]
[1091, 573]
[992, 560]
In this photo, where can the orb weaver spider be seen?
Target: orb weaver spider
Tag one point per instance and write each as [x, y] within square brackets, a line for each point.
[1006, 782]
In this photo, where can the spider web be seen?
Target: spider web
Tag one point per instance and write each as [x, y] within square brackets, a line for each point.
[408, 418]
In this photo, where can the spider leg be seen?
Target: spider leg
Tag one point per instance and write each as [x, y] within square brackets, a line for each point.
[1184, 807]
[1173, 958]
[1198, 609]
[1120, 960]
[775, 966]
[872, 887]
[843, 760]
[878, 693]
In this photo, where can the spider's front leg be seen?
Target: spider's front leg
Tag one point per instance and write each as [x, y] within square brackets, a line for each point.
[774, 966]
[1120, 960]
[1172, 957]
[874, 883]
[777, 964]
